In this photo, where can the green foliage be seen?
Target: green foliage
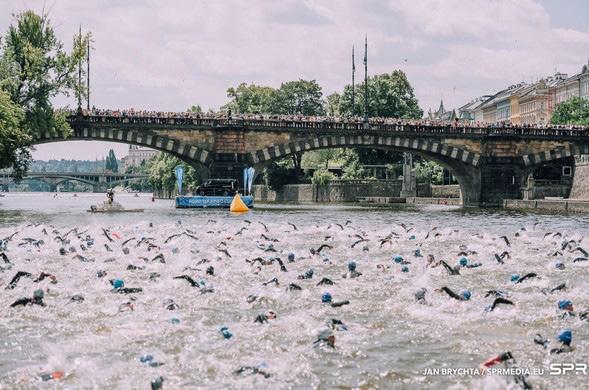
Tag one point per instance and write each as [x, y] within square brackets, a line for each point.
[34, 68]
[162, 177]
[429, 170]
[249, 99]
[390, 95]
[301, 97]
[196, 109]
[111, 163]
[13, 139]
[332, 104]
[278, 174]
[351, 167]
[322, 177]
[321, 158]
[394, 170]
[574, 111]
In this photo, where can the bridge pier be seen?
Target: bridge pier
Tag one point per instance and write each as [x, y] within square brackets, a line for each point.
[409, 184]
[501, 178]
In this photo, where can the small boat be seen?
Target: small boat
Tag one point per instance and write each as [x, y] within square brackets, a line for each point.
[185, 202]
[113, 207]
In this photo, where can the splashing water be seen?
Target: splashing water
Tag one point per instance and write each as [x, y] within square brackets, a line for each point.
[390, 340]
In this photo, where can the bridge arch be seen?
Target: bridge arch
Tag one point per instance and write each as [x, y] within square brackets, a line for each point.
[463, 163]
[199, 158]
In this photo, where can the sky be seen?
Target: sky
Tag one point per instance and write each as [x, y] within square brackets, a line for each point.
[171, 54]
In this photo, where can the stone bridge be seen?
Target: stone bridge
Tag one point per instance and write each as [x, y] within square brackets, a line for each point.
[100, 182]
[490, 163]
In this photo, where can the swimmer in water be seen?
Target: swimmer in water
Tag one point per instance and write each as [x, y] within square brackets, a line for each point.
[498, 301]
[509, 362]
[521, 279]
[352, 273]
[37, 299]
[325, 338]
[463, 296]
[420, 295]
[451, 270]
[564, 337]
[263, 318]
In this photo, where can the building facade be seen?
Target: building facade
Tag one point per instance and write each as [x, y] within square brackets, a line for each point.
[584, 82]
[136, 156]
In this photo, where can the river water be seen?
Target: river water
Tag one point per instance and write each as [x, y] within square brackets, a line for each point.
[391, 341]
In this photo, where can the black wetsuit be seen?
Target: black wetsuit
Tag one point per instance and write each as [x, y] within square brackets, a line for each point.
[453, 294]
[498, 301]
[28, 301]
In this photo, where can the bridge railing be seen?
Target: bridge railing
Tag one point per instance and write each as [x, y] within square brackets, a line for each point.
[343, 126]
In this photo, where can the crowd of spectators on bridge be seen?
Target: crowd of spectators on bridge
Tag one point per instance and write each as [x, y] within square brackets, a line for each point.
[162, 117]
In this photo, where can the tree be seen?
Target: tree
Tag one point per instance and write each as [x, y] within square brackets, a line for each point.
[574, 111]
[278, 174]
[13, 138]
[429, 171]
[162, 177]
[196, 109]
[111, 163]
[301, 97]
[390, 95]
[332, 104]
[249, 99]
[34, 68]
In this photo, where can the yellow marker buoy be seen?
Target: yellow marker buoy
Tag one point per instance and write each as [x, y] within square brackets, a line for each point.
[237, 205]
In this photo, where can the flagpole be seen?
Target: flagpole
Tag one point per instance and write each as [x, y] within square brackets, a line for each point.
[88, 78]
[353, 83]
[366, 79]
[80, 75]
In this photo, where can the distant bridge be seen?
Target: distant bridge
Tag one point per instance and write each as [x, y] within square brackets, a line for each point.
[490, 163]
[100, 182]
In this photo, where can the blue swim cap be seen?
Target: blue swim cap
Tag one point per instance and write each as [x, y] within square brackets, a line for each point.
[118, 283]
[412, 237]
[309, 273]
[417, 253]
[174, 320]
[38, 294]
[564, 304]
[514, 277]
[420, 294]
[352, 265]
[291, 257]
[463, 261]
[145, 358]
[565, 336]
[465, 294]
[225, 332]
[405, 269]
[398, 258]
[559, 265]
[326, 297]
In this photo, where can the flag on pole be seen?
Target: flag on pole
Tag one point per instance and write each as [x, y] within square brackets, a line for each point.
[250, 179]
[179, 171]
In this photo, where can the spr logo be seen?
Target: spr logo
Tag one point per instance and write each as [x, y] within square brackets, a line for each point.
[568, 368]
